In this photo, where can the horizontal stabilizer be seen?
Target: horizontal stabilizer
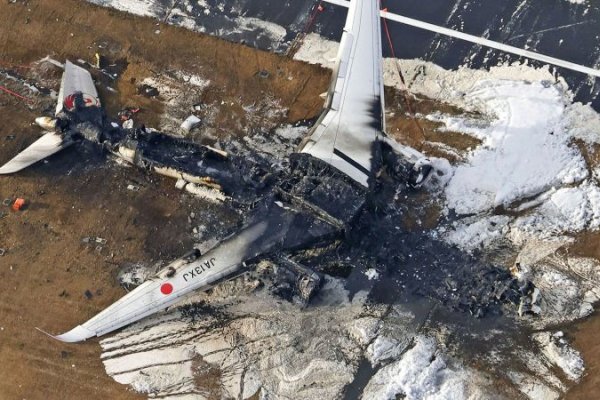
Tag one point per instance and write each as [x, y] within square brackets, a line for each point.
[44, 147]
[481, 41]
[346, 134]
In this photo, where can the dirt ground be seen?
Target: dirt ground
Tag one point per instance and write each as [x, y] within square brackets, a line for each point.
[50, 278]
[585, 336]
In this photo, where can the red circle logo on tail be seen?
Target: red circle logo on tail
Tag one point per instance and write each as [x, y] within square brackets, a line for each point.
[88, 101]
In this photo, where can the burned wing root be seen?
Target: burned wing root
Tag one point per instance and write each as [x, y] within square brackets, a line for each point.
[313, 206]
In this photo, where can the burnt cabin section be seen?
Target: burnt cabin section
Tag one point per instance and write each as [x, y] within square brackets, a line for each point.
[355, 228]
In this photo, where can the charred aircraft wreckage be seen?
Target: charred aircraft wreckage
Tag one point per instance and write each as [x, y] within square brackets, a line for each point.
[337, 188]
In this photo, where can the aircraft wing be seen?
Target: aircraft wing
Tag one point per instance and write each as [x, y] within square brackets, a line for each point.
[278, 227]
[45, 146]
[166, 288]
[347, 132]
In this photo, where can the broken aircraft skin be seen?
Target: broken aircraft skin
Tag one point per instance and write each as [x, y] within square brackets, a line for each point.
[334, 190]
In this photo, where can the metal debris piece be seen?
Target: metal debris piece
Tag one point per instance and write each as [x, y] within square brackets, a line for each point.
[205, 192]
[148, 91]
[18, 204]
[97, 60]
[529, 303]
[190, 123]
[128, 124]
[127, 113]
[94, 239]
[180, 184]
[307, 282]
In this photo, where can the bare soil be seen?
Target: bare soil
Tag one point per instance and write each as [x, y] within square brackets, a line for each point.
[585, 336]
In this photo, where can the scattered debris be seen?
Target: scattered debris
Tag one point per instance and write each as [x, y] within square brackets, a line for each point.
[2, 252]
[97, 60]
[94, 239]
[190, 123]
[263, 74]
[15, 94]
[133, 275]
[529, 294]
[127, 113]
[133, 188]
[18, 204]
[180, 184]
[205, 192]
[128, 124]
[530, 302]
[100, 242]
[147, 90]
[52, 61]
[88, 295]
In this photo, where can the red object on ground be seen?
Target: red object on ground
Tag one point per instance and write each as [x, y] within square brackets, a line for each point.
[15, 94]
[18, 204]
[166, 288]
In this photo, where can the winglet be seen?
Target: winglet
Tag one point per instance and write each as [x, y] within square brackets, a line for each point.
[77, 334]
